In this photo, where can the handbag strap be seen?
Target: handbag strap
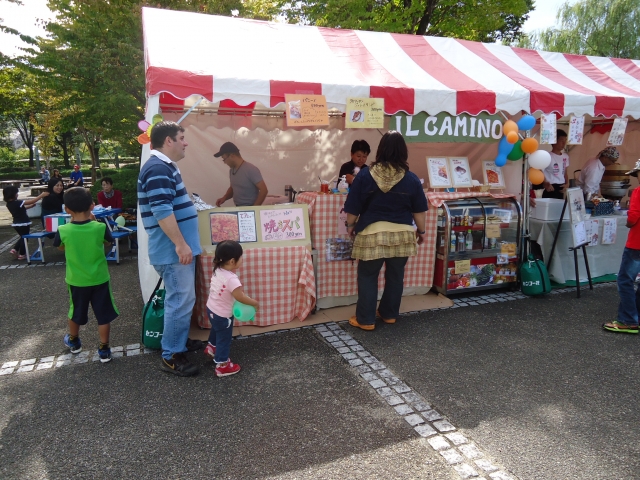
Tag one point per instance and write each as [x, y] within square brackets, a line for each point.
[544, 287]
[155, 289]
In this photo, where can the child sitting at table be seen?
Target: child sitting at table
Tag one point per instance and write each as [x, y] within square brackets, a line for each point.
[87, 273]
[225, 288]
[21, 221]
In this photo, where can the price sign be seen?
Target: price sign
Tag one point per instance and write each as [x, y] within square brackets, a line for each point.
[364, 113]
[306, 110]
[493, 231]
[463, 266]
[508, 248]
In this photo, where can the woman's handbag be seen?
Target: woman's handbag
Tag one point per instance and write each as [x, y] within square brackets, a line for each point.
[153, 319]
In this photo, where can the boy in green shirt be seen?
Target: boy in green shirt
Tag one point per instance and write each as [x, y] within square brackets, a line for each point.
[87, 274]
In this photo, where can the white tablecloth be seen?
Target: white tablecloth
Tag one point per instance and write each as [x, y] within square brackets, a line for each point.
[603, 259]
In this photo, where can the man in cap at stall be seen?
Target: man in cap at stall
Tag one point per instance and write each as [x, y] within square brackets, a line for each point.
[627, 318]
[592, 172]
[247, 186]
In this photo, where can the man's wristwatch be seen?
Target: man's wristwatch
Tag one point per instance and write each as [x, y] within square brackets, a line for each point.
[421, 233]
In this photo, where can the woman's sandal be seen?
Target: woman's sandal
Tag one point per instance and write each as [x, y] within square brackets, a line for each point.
[617, 326]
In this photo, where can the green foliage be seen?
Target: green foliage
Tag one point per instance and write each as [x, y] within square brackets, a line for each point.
[7, 156]
[605, 28]
[479, 20]
[125, 180]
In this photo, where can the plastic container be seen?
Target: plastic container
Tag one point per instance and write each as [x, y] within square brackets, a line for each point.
[242, 312]
[548, 209]
[36, 210]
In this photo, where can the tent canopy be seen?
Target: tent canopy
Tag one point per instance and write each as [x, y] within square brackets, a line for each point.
[244, 61]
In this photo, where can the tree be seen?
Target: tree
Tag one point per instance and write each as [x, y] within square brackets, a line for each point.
[604, 28]
[480, 20]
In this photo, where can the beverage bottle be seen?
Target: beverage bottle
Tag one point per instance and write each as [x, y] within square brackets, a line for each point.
[453, 242]
[469, 240]
[461, 242]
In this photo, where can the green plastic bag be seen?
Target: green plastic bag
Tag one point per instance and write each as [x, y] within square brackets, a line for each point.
[153, 319]
[534, 277]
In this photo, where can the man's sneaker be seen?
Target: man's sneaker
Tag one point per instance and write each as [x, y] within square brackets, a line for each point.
[179, 365]
[194, 345]
[75, 346]
[104, 354]
[227, 368]
[210, 351]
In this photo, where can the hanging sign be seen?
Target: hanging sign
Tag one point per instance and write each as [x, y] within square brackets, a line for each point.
[445, 128]
[616, 136]
[576, 131]
[364, 113]
[548, 129]
[306, 110]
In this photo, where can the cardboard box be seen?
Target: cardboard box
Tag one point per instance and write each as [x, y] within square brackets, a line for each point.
[548, 209]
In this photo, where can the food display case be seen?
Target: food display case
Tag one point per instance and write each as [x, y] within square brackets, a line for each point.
[477, 246]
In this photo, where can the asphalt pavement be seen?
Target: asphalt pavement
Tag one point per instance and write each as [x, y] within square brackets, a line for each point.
[534, 384]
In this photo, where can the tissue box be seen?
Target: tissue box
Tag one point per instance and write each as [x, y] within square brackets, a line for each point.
[548, 209]
[52, 222]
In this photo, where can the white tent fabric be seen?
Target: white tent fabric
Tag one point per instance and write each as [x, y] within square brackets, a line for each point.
[245, 61]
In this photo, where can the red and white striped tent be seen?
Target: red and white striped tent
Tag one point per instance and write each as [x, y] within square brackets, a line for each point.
[248, 61]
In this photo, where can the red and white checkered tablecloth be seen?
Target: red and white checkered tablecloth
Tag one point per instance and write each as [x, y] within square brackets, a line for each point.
[339, 278]
[280, 278]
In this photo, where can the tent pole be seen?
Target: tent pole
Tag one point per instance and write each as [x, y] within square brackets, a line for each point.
[190, 110]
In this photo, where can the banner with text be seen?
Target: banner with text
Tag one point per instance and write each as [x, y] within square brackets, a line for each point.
[445, 128]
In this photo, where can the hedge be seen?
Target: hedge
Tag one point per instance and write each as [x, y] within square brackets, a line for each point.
[125, 180]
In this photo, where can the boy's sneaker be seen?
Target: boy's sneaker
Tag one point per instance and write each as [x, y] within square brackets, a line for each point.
[75, 346]
[210, 351]
[104, 354]
[227, 368]
[179, 365]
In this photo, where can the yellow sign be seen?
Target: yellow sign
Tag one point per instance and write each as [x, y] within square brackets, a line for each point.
[364, 113]
[463, 266]
[493, 231]
[306, 110]
[508, 248]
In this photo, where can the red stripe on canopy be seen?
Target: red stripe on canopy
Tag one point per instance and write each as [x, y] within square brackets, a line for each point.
[279, 88]
[471, 97]
[179, 83]
[594, 73]
[346, 45]
[627, 66]
[604, 105]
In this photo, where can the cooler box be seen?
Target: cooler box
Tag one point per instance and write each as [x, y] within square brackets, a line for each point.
[52, 222]
[548, 209]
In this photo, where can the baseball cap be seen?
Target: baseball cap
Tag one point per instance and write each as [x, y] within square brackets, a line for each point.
[76, 167]
[227, 147]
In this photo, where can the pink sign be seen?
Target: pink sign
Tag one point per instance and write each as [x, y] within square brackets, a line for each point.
[282, 225]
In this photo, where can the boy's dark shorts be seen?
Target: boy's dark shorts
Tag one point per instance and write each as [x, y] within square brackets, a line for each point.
[100, 298]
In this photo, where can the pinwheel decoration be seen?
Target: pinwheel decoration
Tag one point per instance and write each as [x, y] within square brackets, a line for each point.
[145, 136]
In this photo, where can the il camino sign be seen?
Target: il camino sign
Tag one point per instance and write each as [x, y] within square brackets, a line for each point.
[445, 128]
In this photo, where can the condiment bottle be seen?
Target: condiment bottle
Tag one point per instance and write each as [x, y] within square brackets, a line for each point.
[469, 243]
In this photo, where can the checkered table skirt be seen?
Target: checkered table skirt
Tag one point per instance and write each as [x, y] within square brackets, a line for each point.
[280, 278]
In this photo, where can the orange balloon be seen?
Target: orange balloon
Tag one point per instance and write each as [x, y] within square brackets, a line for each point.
[536, 177]
[143, 139]
[529, 145]
[510, 126]
[512, 137]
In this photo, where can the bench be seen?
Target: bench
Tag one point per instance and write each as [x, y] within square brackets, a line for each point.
[37, 190]
[10, 183]
[38, 255]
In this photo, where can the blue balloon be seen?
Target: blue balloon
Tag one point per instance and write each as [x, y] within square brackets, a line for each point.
[501, 160]
[504, 147]
[527, 122]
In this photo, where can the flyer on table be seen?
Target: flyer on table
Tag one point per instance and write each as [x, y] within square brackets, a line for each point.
[364, 113]
[306, 110]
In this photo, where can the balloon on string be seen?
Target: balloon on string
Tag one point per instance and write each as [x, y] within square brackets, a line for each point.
[510, 126]
[536, 177]
[512, 137]
[501, 160]
[516, 153]
[120, 221]
[143, 139]
[242, 312]
[143, 125]
[156, 118]
[539, 159]
[529, 145]
[527, 122]
[504, 147]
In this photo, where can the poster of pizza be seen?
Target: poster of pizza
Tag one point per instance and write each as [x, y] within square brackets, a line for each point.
[460, 172]
[224, 226]
[492, 174]
[439, 174]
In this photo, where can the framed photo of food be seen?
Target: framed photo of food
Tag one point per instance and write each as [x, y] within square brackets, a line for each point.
[439, 173]
[460, 172]
[492, 174]
[224, 226]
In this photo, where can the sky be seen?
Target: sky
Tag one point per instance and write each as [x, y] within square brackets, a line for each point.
[22, 18]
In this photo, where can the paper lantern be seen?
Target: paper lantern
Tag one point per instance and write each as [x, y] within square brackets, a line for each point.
[510, 126]
[512, 137]
[536, 177]
[516, 153]
[242, 312]
[539, 159]
[529, 145]
[527, 122]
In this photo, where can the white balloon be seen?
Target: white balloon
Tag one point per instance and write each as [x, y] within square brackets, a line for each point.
[539, 159]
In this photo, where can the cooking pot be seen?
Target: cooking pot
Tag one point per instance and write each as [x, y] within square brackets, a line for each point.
[614, 190]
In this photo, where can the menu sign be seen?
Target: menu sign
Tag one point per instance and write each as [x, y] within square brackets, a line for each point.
[364, 113]
[247, 226]
[237, 226]
[576, 130]
[616, 136]
[306, 110]
[282, 224]
[548, 129]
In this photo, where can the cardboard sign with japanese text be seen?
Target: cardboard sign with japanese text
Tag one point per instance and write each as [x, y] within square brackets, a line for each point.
[576, 130]
[616, 136]
[306, 110]
[548, 129]
[364, 113]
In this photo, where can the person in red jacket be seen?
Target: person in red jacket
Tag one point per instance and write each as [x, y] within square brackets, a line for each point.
[109, 197]
[627, 321]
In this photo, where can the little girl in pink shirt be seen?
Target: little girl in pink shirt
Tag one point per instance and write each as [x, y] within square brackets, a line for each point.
[225, 289]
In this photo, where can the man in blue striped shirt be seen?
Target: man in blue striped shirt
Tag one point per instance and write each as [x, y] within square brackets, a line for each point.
[171, 221]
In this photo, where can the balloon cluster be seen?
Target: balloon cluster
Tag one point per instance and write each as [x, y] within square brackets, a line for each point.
[146, 127]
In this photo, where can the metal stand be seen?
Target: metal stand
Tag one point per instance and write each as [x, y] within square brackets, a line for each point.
[586, 264]
[555, 238]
